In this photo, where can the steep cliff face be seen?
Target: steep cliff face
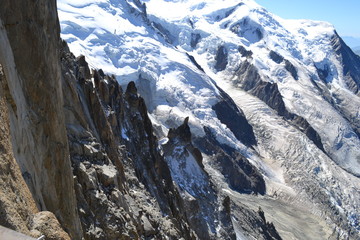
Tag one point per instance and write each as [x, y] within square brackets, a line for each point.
[18, 210]
[123, 185]
[29, 55]
[350, 62]
[202, 203]
[16, 202]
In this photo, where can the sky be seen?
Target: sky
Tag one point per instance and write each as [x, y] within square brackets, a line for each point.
[344, 15]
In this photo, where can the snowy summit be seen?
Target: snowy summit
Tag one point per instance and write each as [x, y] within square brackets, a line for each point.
[295, 81]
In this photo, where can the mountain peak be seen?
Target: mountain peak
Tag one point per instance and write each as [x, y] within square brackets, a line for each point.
[292, 87]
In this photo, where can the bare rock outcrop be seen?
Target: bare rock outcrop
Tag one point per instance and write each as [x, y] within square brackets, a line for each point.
[242, 176]
[249, 79]
[47, 224]
[18, 210]
[202, 204]
[29, 54]
[350, 61]
[122, 182]
[16, 203]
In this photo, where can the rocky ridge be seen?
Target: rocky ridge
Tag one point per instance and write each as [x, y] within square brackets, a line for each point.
[117, 182]
[134, 185]
[92, 160]
[122, 183]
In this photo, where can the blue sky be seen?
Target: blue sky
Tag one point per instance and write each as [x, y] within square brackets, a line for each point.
[344, 15]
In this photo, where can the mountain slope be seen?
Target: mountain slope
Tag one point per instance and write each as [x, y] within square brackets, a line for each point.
[293, 84]
[88, 153]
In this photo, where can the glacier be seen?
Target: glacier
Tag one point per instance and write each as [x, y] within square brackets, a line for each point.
[183, 56]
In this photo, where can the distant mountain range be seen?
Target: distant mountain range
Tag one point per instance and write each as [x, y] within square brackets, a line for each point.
[353, 43]
[356, 50]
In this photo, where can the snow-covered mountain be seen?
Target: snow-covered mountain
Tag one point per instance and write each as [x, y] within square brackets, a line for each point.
[279, 97]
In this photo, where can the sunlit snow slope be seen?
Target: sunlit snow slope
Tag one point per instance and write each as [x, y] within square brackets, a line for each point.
[295, 80]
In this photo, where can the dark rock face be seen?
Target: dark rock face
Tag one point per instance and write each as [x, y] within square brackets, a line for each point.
[245, 53]
[292, 69]
[288, 65]
[323, 73]
[268, 92]
[83, 68]
[350, 61]
[230, 115]
[241, 175]
[182, 135]
[351, 68]
[140, 5]
[276, 57]
[221, 59]
[306, 128]
[195, 39]
[192, 59]
[202, 208]
[254, 222]
[182, 132]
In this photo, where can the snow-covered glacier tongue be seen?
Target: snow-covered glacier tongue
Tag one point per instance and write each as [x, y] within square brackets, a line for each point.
[273, 104]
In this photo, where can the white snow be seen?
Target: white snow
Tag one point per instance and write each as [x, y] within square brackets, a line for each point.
[113, 36]
[124, 135]
[163, 141]
[186, 172]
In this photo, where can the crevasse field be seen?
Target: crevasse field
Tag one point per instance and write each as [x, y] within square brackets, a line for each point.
[152, 48]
